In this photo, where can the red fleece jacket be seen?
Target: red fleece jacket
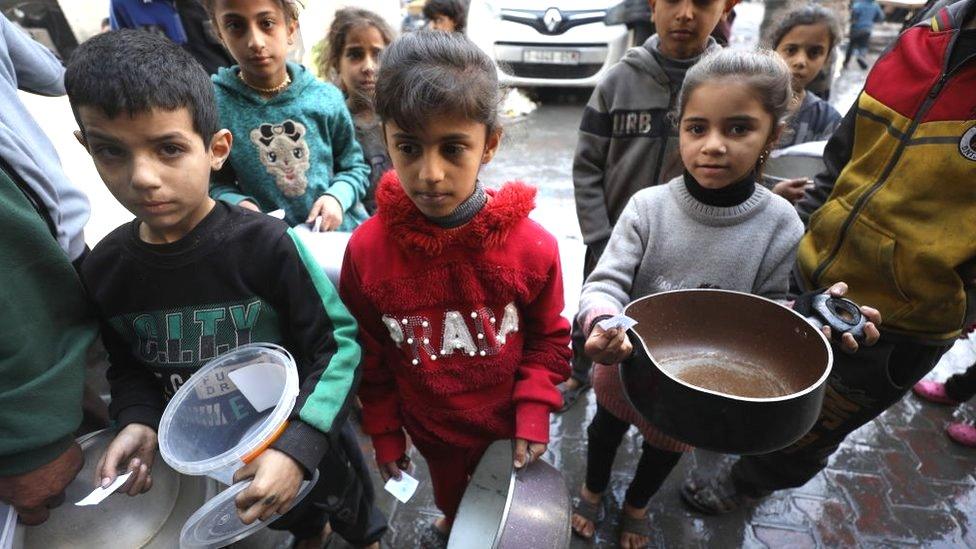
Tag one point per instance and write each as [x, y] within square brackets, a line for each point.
[463, 338]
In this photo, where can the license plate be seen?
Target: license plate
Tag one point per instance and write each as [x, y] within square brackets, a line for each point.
[551, 57]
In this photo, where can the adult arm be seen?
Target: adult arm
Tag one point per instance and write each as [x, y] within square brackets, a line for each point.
[36, 68]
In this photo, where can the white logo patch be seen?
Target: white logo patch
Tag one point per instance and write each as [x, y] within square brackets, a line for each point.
[967, 145]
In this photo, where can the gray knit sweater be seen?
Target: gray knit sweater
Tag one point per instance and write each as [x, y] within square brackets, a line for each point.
[667, 240]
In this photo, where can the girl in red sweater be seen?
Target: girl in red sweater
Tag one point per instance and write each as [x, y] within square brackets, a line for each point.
[458, 294]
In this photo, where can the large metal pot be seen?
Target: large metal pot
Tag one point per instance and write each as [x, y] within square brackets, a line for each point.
[505, 508]
[725, 371]
[150, 520]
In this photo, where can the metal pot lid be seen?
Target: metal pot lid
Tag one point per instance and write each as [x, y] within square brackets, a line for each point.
[217, 524]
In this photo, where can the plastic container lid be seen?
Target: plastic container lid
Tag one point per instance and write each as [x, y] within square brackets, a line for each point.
[217, 523]
[211, 425]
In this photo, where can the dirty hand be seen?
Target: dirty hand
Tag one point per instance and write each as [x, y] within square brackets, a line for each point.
[33, 493]
[526, 452]
[608, 347]
[248, 205]
[792, 189]
[871, 333]
[133, 449]
[329, 208]
[276, 479]
[391, 469]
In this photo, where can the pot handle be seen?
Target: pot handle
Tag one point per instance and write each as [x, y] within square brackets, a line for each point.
[841, 314]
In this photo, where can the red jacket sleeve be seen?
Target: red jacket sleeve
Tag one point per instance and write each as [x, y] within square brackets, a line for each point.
[545, 358]
[377, 390]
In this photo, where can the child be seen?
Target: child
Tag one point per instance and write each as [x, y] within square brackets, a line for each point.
[190, 278]
[356, 39]
[713, 227]
[447, 15]
[864, 14]
[626, 142]
[460, 322]
[295, 146]
[804, 39]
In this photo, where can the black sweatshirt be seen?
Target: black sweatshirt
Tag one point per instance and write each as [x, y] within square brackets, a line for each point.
[238, 277]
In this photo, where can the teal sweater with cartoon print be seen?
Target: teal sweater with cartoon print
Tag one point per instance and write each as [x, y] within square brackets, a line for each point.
[291, 149]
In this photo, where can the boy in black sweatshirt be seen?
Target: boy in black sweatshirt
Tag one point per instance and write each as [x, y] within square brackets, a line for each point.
[191, 278]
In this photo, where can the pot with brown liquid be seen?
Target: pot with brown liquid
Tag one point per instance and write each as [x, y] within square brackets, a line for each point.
[725, 371]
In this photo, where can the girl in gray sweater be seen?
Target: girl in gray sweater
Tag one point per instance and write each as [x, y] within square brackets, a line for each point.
[712, 227]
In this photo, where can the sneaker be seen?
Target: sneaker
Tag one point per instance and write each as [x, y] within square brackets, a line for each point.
[962, 433]
[934, 391]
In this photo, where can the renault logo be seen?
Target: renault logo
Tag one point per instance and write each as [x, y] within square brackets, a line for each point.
[552, 18]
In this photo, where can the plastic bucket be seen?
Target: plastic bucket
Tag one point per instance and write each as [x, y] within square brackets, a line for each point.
[229, 411]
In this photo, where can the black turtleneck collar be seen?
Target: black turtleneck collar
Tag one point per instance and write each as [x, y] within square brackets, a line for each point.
[726, 197]
[465, 211]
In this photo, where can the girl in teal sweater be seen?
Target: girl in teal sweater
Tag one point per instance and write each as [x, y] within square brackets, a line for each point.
[294, 141]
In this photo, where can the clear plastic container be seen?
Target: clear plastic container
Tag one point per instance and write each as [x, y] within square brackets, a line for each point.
[217, 523]
[213, 427]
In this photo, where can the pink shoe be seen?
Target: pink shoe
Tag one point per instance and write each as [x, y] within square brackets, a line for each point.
[933, 391]
[962, 433]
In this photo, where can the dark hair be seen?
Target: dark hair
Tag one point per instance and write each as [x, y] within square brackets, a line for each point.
[134, 71]
[432, 72]
[346, 20]
[455, 10]
[810, 14]
[290, 7]
[762, 70]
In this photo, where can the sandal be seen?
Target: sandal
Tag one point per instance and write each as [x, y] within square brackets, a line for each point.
[593, 512]
[714, 496]
[635, 526]
[433, 538]
[570, 396]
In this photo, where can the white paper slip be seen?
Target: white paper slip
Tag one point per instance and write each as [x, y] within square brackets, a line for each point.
[620, 321]
[99, 494]
[317, 227]
[402, 489]
[280, 214]
[260, 384]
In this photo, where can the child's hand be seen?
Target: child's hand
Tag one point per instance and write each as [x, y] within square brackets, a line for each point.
[526, 452]
[248, 205]
[392, 469]
[871, 333]
[792, 189]
[608, 347]
[133, 449]
[277, 478]
[329, 208]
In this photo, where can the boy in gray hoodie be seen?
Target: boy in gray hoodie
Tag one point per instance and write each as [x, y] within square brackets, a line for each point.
[626, 140]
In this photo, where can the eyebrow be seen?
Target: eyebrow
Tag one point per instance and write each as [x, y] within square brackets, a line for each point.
[448, 137]
[95, 134]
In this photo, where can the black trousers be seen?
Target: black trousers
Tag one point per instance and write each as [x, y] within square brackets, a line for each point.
[604, 435]
[860, 387]
[582, 364]
[962, 386]
[343, 496]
